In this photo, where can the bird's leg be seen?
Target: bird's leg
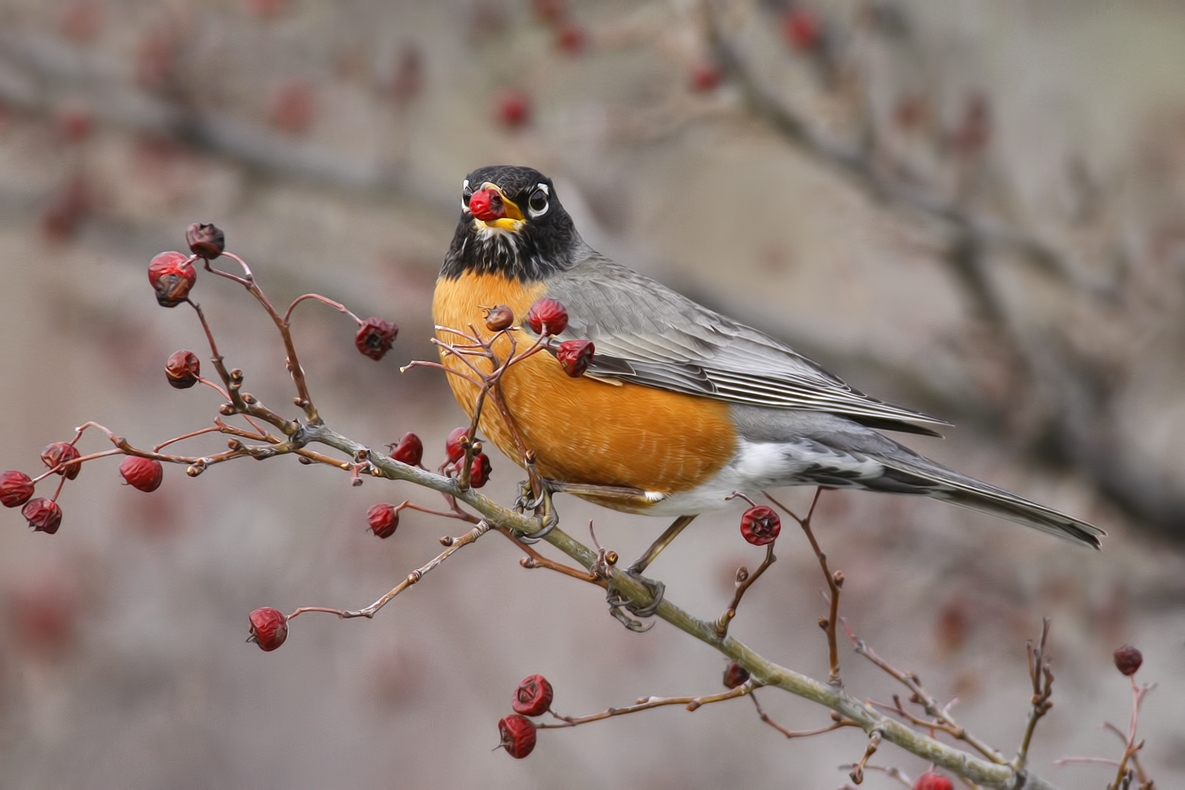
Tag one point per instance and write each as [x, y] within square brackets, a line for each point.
[663, 541]
[656, 588]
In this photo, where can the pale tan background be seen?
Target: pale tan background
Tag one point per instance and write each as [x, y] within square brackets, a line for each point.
[122, 663]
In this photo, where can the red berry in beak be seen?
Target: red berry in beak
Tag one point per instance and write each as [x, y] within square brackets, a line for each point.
[487, 205]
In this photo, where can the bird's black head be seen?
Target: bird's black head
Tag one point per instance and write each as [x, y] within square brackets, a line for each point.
[512, 224]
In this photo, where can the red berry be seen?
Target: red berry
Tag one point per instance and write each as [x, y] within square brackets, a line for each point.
[735, 675]
[487, 205]
[269, 628]
[410, 450]
[1128, 660]
[533, 696]
[183, 369]
[142, 474]
[571, 39]
[518, 735]
[549, 313]
[294, 107]
[760, 525]
[932, 781]
[205, 241]
[452, 445]
[383, 519]
[172, 276]
[43, 515]
[16, 488]
[58, 453]
[549, 11]
[513, 109]
[479, 471]
[802, 30]
[705, 76]
[574, 356]
[375, 337]
[499, 318]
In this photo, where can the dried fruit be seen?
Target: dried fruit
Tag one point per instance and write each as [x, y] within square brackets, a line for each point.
[1128, 660]
[16, 488]
[550, 314]
[269, 628]
[518, 735]
[205, 241]
[499, 318]
[58, 453]
[760, 525]
[705, 76]
[375, 337]
[932, 781]
[571, 38]
[479, 471]
[487, 205]
[183, 369]
[43, 515]
[143, 474]
[172, 275]
[410, 450]
[735, 675]
[574, 356]
[533, 696]
[383, 518]
[802, 30]
[513, 109]
[452, 445]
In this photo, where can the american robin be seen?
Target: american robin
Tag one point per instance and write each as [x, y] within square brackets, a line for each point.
[680, 406]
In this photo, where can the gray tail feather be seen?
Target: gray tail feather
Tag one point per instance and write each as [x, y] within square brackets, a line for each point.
[920, 475]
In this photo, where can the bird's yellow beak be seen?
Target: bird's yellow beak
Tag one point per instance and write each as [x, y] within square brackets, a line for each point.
[490, 206]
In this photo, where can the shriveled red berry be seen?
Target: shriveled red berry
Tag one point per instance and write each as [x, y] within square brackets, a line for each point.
[513, 109]
[550, 314]
[43, 515]
[410, 450]
[499, 318]
[735, 675]
[760, 525]
[205, 241]
[59, 453]
[704, 76]
[383, 518]
[571, 38]
[183, 369]
[143, 474]
[172, 276]
[1128, 660]
[549, 11]
[479, 471]
[269, 628]
[533, 696]
[487, 205]
[16, 488]
[933, 781]
[518, 735]
[375, 337]
[802, 30]
[452, 445]
[574, 356]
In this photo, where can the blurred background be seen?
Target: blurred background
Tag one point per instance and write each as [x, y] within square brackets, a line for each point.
[971, 208]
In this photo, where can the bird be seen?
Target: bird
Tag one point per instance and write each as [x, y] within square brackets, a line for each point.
[680, 407]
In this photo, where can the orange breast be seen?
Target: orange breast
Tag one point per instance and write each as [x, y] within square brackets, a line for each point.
[583, 430]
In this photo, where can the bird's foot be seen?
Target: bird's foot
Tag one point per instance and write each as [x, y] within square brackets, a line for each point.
[540, 505]
[617, 601]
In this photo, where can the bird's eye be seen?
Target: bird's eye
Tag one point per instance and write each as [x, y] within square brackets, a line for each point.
[537, 204]
[466, 193]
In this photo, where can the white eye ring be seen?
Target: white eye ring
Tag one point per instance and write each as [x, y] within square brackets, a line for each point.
[537, 204]
[466, 193]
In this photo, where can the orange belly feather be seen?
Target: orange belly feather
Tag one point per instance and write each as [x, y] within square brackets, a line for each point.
[583, 430]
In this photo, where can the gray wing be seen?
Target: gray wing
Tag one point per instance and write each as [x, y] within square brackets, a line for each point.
[647, 334]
